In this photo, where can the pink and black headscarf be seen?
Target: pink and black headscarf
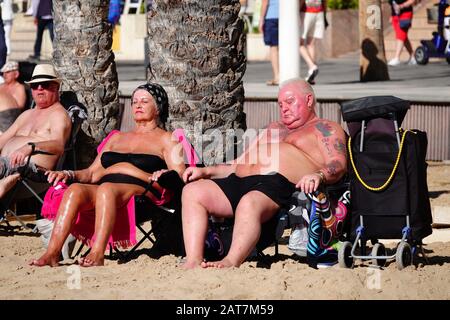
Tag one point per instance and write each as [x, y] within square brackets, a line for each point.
[159, 95]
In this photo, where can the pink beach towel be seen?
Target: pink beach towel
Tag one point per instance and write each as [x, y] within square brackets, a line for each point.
[124, 231]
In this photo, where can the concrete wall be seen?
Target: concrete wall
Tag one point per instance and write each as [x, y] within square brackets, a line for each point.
[256, 49]
[131, 37]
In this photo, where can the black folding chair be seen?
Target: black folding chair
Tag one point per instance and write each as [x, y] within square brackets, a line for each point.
[165, 232]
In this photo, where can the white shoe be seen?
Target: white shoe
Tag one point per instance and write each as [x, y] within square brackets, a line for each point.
[394, 62]
[312, 73]
[45, 228]
[412, 62]
[298, 241]
[68, 246]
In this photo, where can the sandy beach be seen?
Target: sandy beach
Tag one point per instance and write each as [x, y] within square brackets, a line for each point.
[285, 277]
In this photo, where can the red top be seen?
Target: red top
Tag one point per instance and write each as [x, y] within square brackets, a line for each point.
[312, 6]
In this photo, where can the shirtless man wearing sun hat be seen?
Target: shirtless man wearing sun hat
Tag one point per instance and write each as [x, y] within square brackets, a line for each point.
[45, 127]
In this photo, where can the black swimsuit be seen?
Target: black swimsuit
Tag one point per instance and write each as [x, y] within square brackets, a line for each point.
[145, 162]
[275, 186]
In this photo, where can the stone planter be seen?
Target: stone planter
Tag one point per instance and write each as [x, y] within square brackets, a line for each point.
[256, 50]
[341, 36]
[131, 37]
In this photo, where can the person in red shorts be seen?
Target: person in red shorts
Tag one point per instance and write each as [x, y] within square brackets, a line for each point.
[402, 14]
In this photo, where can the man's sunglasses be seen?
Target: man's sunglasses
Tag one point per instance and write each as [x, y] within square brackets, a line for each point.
[45, 85]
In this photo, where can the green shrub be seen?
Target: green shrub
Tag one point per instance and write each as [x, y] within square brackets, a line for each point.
[342, 4]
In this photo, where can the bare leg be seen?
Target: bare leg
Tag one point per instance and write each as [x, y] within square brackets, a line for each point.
[311, 47]
[304, 51]
[274, 59]
[77, 198]
[398, 48]
[253, 210]
[7, 183]
[109, 197]
[408, 47]
[198, 199]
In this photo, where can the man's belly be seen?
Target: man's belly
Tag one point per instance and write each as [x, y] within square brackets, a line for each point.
[285, 159]
[17, 142]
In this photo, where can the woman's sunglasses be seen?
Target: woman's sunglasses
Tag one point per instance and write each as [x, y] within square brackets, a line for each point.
[45, 85]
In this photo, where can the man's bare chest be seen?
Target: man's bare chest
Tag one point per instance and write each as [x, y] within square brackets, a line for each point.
[305, 139]
[39, 126]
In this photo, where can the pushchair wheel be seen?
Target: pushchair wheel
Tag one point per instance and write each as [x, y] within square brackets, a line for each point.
[403, 256]
[345, 255]
[378, 250]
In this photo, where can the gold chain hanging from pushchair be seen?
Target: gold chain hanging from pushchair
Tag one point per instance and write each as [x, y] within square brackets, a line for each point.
[382, 187]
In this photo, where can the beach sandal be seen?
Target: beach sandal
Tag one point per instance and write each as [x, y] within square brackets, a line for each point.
[272, 83]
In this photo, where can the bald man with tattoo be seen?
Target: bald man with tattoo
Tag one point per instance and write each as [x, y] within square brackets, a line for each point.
[301, 151]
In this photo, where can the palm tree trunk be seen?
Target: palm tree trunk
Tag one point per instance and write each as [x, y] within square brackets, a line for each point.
[373, 65]
[196, 51]
[83, 58]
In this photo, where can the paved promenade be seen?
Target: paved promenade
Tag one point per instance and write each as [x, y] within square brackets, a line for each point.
[337, 79]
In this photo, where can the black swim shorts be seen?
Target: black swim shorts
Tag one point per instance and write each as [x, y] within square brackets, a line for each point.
[275, 186]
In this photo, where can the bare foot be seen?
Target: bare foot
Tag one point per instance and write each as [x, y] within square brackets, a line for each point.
[92, 260]
[45, 260]
[191, 264]
[224, 263]
[7, 183]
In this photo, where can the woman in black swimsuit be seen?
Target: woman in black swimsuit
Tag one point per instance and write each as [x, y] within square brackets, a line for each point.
[124, 167]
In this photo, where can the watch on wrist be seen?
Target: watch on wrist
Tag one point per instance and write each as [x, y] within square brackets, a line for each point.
[33, 146]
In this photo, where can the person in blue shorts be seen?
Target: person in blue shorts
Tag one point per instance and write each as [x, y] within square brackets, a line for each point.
[268, 25]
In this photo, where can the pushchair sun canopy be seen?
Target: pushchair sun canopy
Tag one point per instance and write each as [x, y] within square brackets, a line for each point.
[367, 108]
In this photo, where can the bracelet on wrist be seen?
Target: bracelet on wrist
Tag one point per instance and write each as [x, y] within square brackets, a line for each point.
[322, 176]
[70, 174]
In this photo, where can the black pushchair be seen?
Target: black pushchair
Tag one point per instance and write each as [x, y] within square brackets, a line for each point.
[388, 182]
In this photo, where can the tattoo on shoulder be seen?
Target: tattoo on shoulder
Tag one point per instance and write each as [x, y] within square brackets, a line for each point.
[339, 146]
[332, 167]
[325, 128]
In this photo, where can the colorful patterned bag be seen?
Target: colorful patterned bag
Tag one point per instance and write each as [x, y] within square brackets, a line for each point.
[325, 228]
